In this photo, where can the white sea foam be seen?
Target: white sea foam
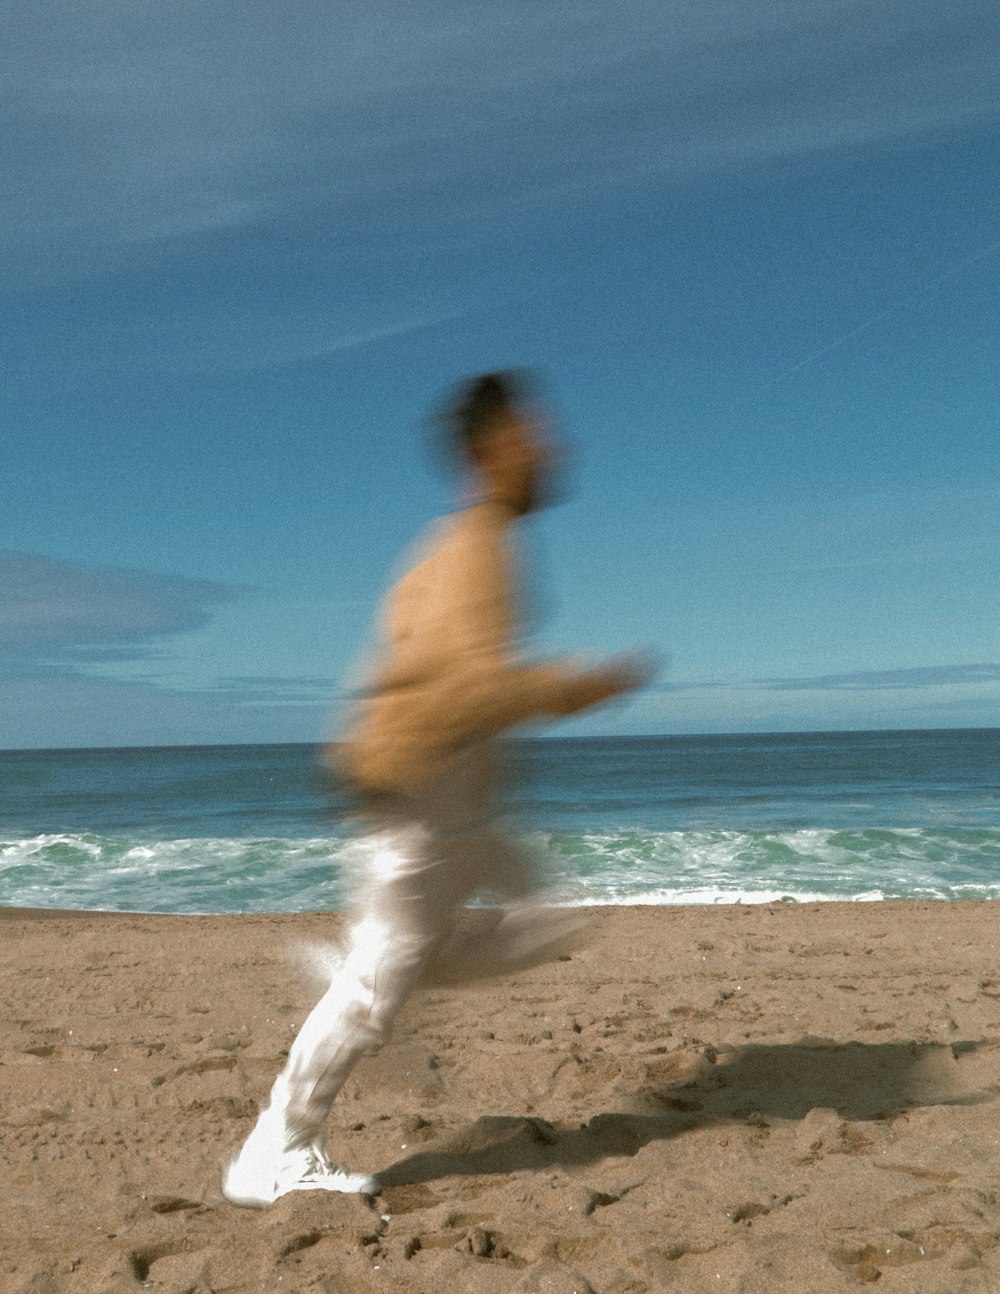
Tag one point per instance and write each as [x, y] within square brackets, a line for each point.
[288, 874]
[710, 897]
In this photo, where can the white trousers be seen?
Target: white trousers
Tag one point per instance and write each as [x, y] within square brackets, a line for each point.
[408, 926]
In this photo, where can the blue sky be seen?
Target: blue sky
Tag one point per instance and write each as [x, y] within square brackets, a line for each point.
[754, 249]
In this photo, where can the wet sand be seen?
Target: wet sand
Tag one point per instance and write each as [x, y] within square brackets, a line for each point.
[759, 1099]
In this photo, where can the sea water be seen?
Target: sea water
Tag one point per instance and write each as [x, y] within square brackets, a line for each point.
[716, 819]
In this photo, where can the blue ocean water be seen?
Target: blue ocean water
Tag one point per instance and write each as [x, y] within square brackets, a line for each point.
[616, 820]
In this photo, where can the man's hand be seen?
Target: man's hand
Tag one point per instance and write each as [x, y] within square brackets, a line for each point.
[615, 677]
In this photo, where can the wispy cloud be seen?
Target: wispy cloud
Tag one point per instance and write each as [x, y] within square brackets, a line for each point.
[925, 696]
[58, 617]
[83, 711]
[894, 307]
[126, 123]
[86, 658]
[892, 679]
[278, 690]
[914, 679]
[235, 342]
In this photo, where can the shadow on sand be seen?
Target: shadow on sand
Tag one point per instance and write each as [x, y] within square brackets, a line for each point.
[858, 1080]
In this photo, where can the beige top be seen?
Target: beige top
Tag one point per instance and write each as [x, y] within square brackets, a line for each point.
[446, 673]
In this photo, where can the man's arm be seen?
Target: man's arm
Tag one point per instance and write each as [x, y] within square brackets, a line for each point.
[490, 688]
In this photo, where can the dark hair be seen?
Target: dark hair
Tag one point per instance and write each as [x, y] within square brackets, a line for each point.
[475, 405]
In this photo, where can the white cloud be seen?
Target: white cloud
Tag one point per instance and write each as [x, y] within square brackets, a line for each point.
[134, 122]
[925, 676]
[925, 697]
[235, 341]
[84, 712]
[85, 661]
[57, 615]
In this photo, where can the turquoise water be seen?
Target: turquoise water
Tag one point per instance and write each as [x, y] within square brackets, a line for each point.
[616, 820]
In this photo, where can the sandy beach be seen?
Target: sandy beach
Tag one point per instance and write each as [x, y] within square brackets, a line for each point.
[770, 1098]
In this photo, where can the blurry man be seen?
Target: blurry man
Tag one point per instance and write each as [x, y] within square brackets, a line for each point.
[420, 753]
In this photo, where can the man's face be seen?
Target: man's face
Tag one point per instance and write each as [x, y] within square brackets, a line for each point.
[520, 457]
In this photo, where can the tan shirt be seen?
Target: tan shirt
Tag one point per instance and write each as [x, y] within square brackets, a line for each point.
[447, 673]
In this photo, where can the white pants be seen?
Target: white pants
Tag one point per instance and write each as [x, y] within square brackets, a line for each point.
[419, 869]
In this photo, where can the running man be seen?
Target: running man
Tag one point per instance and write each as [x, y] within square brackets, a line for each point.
[420, 752]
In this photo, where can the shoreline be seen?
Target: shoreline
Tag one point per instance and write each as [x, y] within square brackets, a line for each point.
[12, 912]
[736, 1097]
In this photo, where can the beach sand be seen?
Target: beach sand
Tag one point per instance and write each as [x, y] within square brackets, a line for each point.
[784, 1097]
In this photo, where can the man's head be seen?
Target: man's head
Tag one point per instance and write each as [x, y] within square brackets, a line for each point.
[499, 434]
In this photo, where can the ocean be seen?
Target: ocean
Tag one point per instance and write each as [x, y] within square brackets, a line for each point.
[715, 819]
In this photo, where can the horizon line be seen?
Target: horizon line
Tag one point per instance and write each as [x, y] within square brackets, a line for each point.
[624, 736]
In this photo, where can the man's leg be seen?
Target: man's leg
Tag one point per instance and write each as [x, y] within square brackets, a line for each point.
[498, 941]
[406, 908]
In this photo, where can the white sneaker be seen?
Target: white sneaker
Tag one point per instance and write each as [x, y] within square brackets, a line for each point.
[267, 1168]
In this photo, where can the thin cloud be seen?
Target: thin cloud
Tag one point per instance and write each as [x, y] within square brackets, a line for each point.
[892, 679]
[57, 616]
[235, 343]
[894, 307]
[278, 689]
[81, 711]
[918, 678]
[131, 123]
[69, 634]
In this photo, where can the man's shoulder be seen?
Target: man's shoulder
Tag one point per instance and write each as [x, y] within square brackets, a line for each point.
[469, 543]
[479, 522]
[474, 525]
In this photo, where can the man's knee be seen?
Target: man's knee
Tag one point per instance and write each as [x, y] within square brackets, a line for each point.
[381, 985]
